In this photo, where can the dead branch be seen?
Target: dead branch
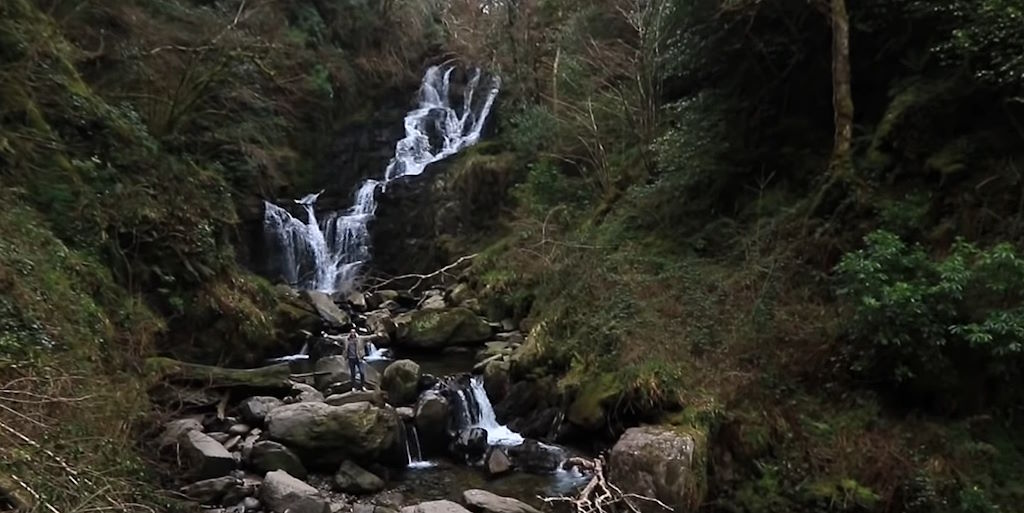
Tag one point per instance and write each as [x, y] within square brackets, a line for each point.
[420, 278]
[600, 496]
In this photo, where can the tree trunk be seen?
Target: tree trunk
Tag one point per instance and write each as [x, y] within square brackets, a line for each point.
[842, 98]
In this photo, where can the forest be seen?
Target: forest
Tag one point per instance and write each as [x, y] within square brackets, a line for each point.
[789, 232]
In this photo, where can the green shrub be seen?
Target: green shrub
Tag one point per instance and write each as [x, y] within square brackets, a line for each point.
[950, 327]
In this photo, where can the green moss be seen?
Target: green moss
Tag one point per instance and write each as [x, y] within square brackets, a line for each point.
[588, 409]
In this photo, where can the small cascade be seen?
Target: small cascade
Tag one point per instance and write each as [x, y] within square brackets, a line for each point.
[375, 354]
[475, 411]
[328, 254]
[412, 448]
[303, 354]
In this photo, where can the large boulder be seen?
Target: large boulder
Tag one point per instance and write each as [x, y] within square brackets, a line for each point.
[326, 308]
[536, 457]
[437, 328]
[267, 456]
[435, 507]
[254, 409]
[431, 418]
[381, 324]
[374, 397]
[282, 493]
[358, 430]
[401, 381]
[487, 502]
[496, 379]
[351, 478]
[662, 462]
[175, 428]
[333, 370]
[206, 457]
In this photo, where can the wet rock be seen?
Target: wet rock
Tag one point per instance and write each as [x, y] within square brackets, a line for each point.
[267, 456]
[251, 503]
[461, 293]
[428, 381]
[254, 409]
[432, 329]
[431, 419]
[496, 462]
[401, 381]
[660, 462]
[471, 443]
[435, 507]
[206, 457]
[496, 379]
[232, 442]
[307, 394]
[221, 438]
[433, 300]
[175, 428]
[239, 430]
[358, 430]
[405, 413]
[282, 493]
[487, 502]
[357, 300]
[533, 456]
[375, 397]
[380, 323]
[351, 478]
[211, 491]
[326, 308]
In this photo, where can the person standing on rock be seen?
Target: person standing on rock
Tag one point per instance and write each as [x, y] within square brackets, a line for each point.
[355, 352]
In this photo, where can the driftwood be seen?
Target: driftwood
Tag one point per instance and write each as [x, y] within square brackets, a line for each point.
[599, 495]
[420, 278]
[275, 376]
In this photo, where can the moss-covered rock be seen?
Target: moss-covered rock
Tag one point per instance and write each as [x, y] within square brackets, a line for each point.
[358, 430]
[588, 409]
[440, 328]
[401, 381]
[664, 462]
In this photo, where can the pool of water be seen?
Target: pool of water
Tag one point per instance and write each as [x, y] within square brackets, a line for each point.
[447, 480]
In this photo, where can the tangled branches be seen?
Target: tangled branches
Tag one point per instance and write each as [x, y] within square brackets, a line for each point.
[600, 495]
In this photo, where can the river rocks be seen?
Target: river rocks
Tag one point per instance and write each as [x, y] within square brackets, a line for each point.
[239, 429]
[351, 478]
[471, 443]
[401, 381]
[174, 429]
[357, 430]
[211, 491]
[461, 294]
[267, 456]
[380, 323]
[533, 456]
[357, 300]
[487, 502]
[435, 507]
[496, 379]
[282, 493]
[326, 308]
[374, 397]
[431, 419]
[306, 393]
[333, 370]
[432, 329]
[660, 462]
[254, 409]
[433, 300]
[496, 462]
[206, 457]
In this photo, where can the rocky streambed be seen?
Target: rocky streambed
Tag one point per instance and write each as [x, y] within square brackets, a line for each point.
[293, 436]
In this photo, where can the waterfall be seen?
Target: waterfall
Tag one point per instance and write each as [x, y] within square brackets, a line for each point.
[412, 448]
[476, 411]
[376, 354]
[328, 254]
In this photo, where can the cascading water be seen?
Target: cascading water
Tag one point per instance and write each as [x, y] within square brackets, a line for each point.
[327, 254]
[476, 411]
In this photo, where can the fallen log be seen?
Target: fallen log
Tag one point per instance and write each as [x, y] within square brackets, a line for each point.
[161, 369]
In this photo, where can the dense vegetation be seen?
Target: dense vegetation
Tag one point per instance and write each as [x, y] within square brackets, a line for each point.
[726, 215]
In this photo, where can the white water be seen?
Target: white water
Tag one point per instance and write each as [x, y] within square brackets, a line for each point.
[328, 254]
[413, 451]
[497, 434]
[376, 354]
